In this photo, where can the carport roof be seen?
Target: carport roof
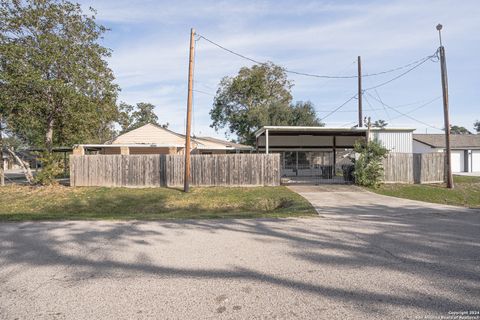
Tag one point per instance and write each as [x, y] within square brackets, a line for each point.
[302, 129]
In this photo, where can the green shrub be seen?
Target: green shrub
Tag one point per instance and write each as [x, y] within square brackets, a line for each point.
[51, 168]
[368, 164]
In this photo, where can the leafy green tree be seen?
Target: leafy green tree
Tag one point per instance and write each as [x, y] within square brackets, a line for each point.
[144, 114]
[56, 86]
[459, 130]
[368, 164]
[131, 117]
[256, 97]
[476, 125]
[380, 124]
[304, 114]
[125, 119]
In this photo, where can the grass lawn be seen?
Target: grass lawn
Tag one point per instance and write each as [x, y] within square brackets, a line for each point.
[466, 192]
[20, 203]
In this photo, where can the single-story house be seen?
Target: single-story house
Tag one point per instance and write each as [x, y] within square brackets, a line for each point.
[323, 151]
[465, 149]
[153, 139]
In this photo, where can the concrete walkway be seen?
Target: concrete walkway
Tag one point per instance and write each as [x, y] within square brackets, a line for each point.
[361, 259]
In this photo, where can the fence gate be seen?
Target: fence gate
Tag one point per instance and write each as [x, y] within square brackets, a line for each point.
[316, 167]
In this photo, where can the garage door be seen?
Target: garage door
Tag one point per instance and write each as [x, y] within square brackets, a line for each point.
[475, 160]
[457, 161]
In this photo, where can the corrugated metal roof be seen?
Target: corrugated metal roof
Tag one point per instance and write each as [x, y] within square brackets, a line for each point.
[456, 140]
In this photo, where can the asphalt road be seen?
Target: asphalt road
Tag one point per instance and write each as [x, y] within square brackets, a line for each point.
[364, 257]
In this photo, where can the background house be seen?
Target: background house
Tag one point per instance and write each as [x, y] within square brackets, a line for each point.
[153, 139]
[9, 162]
[465, 149]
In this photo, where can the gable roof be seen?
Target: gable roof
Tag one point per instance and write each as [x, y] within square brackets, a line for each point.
[150, 134]
[214, 143]
[457, 141]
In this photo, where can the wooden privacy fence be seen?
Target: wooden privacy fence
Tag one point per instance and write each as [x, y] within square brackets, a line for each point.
[168, 170]
[414, 167]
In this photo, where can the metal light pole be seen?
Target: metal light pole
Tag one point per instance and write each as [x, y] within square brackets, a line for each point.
[443, 68]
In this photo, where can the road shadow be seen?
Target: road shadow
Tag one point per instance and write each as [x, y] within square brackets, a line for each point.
[440, 247]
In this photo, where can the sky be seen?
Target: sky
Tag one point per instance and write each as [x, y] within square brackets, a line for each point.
[150, 43]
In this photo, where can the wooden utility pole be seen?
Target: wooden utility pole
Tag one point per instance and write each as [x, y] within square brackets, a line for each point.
[443, 68]
[360, 116]
[186, 183]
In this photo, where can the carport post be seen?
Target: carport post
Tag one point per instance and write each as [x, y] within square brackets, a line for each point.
[334, 152]
[266, 141]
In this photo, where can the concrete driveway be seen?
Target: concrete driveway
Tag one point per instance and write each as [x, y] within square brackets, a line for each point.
[365, 257]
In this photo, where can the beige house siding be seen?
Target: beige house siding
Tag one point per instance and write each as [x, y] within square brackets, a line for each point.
[149, 134]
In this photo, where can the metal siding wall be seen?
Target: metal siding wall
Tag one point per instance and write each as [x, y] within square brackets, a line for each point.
[300, 141]
[399, 142]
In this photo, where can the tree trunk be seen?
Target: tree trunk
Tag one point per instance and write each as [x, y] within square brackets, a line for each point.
[49, 135]
[25, 166]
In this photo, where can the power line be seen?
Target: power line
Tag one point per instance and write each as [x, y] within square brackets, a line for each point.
[416, 63]
[384, 108]
[423, 102]
[418, 108]
[339, 107]
[403, 73]
[348, 123]
[404, 114]
[204, 84]
[371, 107]
[401, 67]
[203, 92]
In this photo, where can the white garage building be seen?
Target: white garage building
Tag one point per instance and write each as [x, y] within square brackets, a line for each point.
[465, 149]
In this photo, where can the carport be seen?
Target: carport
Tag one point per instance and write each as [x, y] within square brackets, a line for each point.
[312, 154]
[323, 154]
